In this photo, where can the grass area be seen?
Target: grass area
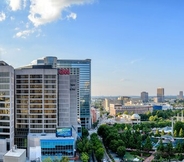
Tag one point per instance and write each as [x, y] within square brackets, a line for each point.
[130, 156]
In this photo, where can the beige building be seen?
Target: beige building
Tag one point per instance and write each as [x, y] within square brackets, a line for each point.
[160, 95]
[134, 109]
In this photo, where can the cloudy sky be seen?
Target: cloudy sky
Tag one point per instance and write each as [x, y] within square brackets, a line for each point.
[135, 45]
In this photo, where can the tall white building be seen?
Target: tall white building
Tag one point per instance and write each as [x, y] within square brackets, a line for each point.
[68, 97]
[36, 102]
[6, 106]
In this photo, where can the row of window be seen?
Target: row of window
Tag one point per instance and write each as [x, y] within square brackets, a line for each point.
[36, 116]
[36, 111]
[36, 101]
[34, 76]
[36, 86]
[36, 106]
[4, 74]
[4, 80]
[35, 91]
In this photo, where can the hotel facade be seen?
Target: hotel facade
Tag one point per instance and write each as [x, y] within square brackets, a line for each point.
[48, 95]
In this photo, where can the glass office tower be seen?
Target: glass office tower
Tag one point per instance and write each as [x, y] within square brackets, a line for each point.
[84, 83]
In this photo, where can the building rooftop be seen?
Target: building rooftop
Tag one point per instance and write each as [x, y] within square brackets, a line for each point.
[15, 152]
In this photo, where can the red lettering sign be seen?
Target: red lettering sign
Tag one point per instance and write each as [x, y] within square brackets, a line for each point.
[64, 72]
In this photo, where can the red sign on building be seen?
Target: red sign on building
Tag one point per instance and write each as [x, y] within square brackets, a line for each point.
[64, 71]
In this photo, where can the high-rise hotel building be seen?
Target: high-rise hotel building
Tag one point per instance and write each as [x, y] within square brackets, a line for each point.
[35, 102]
[84, 66]
[6, 107]
[46, 98]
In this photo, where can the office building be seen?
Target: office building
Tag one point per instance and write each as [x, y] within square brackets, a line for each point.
[144, 96]
[160, 95]
[84, 66]
[6, 107]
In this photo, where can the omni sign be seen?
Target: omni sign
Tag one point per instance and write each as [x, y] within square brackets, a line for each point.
[63, 71]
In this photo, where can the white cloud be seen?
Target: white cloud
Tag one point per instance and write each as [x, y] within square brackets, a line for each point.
[72, 15]
[12, 18]
[15, 4]
[24, 33]
[46, 11]
[24, 3]
[2, 16]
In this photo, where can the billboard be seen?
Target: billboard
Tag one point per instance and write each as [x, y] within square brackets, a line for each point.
[64, 132]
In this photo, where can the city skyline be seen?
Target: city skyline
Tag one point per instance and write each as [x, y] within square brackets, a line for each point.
[134, 46]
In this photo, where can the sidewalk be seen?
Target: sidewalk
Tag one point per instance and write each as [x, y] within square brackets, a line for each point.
[149, 159]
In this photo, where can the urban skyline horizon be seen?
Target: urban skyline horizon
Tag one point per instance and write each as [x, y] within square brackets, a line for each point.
[132, 44]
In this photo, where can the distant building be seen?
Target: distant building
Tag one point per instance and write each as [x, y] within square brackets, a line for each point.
[134, 109]
[180, 96]
[160, 95]
[95, 114]
[144, 96]
[120, 100]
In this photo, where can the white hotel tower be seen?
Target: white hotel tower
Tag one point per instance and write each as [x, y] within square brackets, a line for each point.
[6, 107]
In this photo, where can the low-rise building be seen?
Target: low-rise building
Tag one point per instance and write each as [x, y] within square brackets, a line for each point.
[133, 109]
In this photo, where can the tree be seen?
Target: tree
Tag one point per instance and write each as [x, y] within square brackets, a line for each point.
[125, 112]
[99, 153]
[162, 133]
[47, 160]
[181, 132]
[84, 157]
[56, 160]
[64, 159]
[157, 133]
[161, 146]
[121, 150]
[175, 133]
[148, 145]
[113, 145]
[178, 125]
[85, 132]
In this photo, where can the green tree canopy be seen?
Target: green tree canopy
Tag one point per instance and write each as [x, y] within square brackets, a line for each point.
[84, 157]
[121, 150]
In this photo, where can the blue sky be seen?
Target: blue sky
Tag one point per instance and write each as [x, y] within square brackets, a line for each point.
[135, 45]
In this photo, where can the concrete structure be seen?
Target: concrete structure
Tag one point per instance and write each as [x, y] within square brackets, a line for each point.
[144, 96]
[48, 145]
[3, 148]
[135, 109]
[15, 155]
[84, 67]
[68, 97]
[36, 102]
[160, 95]
[6, 106]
